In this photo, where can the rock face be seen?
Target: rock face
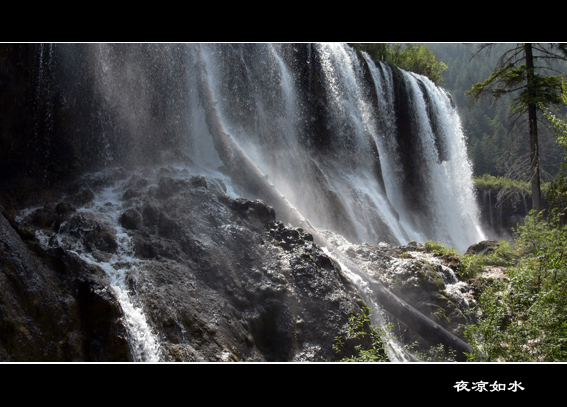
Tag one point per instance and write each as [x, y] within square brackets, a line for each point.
[217, 278]
[424, 280]
[501, 215]
[53, 306]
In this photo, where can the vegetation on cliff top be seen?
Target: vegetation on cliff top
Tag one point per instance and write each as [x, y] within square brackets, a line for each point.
[495, 183]
[410, 57]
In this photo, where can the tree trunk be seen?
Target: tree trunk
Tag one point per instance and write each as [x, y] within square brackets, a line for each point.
[243, 169]
[534, 143]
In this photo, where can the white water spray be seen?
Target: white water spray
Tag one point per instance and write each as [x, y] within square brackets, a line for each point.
[363, 137]
[143, 342]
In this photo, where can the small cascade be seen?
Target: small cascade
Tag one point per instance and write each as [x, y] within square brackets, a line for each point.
[143, 341]
[106, 208]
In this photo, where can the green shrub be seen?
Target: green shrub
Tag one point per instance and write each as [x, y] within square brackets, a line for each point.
[524, 318]
[368, 340]
[505, 255]
[471, 265]
[487, 181]
[439, 249]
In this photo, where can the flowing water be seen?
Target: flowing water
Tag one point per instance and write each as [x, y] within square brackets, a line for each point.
[361, 173]
[322, 123]
[107, 207]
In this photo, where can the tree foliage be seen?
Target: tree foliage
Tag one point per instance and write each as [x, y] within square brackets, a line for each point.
[524, 72]
[410, 57]
[559, 125]
[524, 317]
[557, 194]
[513, 71]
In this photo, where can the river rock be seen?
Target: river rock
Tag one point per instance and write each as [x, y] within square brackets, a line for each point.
[424, 280]
[484, 247]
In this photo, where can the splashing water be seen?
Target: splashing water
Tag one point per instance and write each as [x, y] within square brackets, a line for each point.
[358, 186]
[143, 342]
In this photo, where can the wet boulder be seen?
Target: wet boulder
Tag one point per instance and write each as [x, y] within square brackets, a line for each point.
[131, 219]
[484, 247]
[90, 231]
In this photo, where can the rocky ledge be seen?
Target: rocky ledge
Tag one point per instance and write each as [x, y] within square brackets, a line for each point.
[214, 277]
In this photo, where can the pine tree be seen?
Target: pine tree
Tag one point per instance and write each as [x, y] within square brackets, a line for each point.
[521, 72]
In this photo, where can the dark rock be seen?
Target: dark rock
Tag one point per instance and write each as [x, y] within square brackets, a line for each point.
[217, 278]
[255, 209]
[44, 313]
[134, 187]
[145, 248]
[131, 219]
[167, 186]
[106, 338]
[198, 181]
[83, 197]
[63, 208]
[484, 247]
[93, 234]
[168, 228]
[222, 280]
[130, 193]
[150, 215]
[44, 217]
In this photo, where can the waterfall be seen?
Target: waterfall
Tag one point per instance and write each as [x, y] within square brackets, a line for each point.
[358, 148]
[354, 182]
[451, 198]
[43, 106]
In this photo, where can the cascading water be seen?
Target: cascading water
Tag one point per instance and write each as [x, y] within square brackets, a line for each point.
[106, 207]
[356, 185]
[452, 201]
[362, 150]
[143, 341]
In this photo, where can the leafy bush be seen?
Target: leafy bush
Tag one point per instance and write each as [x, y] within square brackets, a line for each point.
[524, 318]
[471, 265]
[440, 249]
[368, 342]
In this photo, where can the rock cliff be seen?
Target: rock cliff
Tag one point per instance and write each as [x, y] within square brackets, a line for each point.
[217, 278]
